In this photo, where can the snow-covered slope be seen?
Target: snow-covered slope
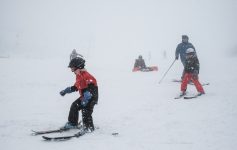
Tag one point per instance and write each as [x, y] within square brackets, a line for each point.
[36, 40]
[143, 112]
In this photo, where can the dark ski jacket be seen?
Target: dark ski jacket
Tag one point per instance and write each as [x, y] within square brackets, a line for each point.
[192, 65]
[181, 50]
[140, 63]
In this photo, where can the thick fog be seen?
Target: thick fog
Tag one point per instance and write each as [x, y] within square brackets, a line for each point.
[37, 37]
[114, 30]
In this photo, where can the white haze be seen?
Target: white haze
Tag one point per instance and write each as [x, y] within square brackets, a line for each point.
[115, 29]
[36, 38]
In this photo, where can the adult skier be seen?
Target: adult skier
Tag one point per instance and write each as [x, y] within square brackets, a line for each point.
[191, 71]
[181, 50]
[86, 84]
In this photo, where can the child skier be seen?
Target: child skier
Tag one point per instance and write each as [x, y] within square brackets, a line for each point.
[191, 71]
[86, 84]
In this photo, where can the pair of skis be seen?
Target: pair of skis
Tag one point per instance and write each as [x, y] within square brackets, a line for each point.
[63, 138]
[58, 138]
[60, 130]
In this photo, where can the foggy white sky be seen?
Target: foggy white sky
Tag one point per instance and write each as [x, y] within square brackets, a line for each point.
[118, 28]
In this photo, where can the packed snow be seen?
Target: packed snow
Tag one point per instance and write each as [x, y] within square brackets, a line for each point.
[36, 41]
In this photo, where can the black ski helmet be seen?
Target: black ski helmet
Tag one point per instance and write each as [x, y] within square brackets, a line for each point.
[77, 62]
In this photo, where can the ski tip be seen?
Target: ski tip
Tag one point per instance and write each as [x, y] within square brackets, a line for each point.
[115, 133]
[60, 138]
[34, 133]
[46, 138]
[178, 97]
[190, 97]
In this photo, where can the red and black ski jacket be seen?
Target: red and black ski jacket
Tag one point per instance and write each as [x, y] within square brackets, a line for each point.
[86, 82]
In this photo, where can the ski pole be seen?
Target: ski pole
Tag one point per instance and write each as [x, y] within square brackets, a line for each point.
[166, 72]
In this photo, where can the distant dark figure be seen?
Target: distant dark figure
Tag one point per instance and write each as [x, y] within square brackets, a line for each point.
[141, 66]
[140, 63]
[74, 54]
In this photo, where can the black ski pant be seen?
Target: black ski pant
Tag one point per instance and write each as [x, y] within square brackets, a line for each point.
[86, 113]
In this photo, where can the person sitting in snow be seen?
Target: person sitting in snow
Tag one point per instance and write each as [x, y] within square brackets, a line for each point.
[191, 71]
[141, 66]
[74, 54]
[140, 63]
[86, 84]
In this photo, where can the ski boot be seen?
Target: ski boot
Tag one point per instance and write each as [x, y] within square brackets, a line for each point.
[182, 93]
[69, 126]
[200, 93]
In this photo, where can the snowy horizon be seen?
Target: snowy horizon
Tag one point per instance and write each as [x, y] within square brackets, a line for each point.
[54, 28]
